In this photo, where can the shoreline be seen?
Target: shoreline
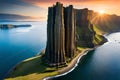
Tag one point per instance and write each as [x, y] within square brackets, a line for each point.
[73, 64]
[12, 69]
[65, 70]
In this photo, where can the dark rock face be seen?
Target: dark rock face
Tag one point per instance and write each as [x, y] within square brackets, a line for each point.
[69, 21]
[64, 24]
[55, 52]
[85, 32]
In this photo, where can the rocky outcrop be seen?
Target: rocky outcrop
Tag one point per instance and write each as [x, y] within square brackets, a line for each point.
[67, 28]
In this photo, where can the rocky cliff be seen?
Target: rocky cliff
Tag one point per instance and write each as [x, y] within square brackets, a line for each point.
[88, 35]
[68, 28]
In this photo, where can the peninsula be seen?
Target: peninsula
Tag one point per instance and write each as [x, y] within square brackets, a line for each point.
[70, 33]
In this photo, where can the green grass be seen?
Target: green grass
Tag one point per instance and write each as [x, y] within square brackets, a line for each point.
[80, 48]
[97, 39]
[97, 30]
[32, 69]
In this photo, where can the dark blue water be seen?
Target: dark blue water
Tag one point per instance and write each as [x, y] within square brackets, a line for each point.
[20, 43]
[100, 64]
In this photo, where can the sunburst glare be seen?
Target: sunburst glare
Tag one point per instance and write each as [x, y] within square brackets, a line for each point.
[101, 11]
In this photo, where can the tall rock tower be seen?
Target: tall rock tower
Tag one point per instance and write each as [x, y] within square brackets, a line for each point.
[60, 34]
[55, 50]
[69, 21]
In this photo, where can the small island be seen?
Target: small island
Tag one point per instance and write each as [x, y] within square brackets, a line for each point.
[70, 34]
[10, 26]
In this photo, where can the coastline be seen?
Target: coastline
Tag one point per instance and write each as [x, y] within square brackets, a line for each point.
[12, 69]
[73, 64]
[65, 70]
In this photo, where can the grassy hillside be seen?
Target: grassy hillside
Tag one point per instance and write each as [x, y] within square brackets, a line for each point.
[98, 38]
[107, 23]
[32, 69]
[35, 68]
[90, 36]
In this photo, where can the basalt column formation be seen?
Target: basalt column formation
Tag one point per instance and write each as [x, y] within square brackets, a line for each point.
[69, 21]
[60, 34]
[55, 51]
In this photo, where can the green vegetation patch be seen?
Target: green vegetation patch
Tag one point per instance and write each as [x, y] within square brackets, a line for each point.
[32, 69]
[97, 30]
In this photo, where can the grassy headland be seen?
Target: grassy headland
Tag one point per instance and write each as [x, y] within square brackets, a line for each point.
[35, 69]
[32, 69]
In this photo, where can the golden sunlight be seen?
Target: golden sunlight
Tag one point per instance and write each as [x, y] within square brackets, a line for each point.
[101, 11]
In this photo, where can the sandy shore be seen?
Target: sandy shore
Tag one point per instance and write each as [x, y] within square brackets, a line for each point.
[72, 65]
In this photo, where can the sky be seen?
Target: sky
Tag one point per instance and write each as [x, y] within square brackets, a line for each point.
[37, 9]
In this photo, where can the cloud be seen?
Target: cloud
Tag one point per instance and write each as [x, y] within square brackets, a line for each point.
[14, 2]
[96, 5]
[38, 8]
[14, 17]
[47, 3]
[21, 7]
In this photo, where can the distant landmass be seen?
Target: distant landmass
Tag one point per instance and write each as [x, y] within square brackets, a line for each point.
[10, 26]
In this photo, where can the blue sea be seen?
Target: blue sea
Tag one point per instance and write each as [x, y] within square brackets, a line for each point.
[18, 44]
[103, 63]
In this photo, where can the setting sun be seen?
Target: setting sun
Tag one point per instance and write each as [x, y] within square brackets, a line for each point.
[101, 11]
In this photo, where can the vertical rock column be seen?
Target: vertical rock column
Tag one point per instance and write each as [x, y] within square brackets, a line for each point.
[69, 21]
[55, 53]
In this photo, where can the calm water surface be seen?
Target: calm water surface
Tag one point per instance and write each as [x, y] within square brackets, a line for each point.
[20, 43]
[100, 64]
